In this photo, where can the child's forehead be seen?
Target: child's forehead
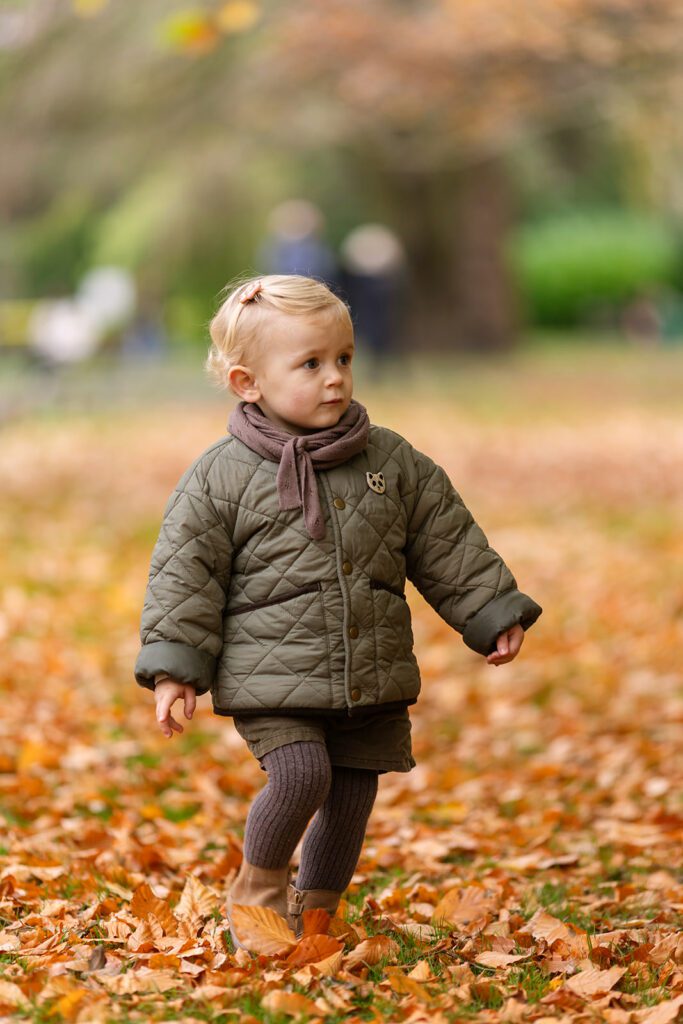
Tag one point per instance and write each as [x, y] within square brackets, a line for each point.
[319, 331]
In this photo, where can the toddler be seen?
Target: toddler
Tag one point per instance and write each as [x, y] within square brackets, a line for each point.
[278, 583]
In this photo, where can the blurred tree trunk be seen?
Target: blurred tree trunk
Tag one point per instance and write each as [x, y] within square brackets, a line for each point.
[454, 225]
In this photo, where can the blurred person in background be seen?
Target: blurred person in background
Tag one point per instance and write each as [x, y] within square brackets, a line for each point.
[62, 332]
[145, 338]
[294, 244]
[373, 276]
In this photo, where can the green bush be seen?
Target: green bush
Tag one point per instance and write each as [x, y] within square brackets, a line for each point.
[571, 263]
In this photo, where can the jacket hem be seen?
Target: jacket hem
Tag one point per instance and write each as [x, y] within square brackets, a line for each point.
[396, 705]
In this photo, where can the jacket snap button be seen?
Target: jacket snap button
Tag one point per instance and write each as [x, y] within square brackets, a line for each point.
[339, 503]
[355, 694]
[353, 632]
[347, 568]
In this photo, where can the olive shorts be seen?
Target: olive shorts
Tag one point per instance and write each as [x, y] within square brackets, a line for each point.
[376, 740]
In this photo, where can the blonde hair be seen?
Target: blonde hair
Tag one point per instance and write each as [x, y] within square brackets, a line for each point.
[239, 328]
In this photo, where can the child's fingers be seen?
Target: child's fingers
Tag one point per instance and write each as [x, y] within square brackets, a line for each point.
[190, 701]
[507, 646]
[167, 722]
[165, 727]
[516, 640]
[168, 725]
[163, 707]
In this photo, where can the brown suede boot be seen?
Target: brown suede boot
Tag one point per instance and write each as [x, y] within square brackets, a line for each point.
[258, 887]
[299, 900]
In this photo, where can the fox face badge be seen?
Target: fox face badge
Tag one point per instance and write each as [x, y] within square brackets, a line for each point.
[376, 482]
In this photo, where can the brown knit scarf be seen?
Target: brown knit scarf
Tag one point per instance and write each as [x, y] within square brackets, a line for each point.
[300, 455]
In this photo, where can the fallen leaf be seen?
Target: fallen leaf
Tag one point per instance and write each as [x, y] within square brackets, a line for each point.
[315, 922]
[261, 930]
[68, 1005]
[421, 971]
[11, 994]
[196, 900]
[312, 948]
[371, 951]
[139, 981]
[592, 981]
[466, 909]
[145, 902]
[489, 958]
[544, 926]
[404, 985]
[291, 1003]
[663, 1013]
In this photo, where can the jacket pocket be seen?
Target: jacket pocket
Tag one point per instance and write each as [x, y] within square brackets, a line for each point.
[396, 668]
[393, 625]
[275, 645]
[309, 588]
[381, 585]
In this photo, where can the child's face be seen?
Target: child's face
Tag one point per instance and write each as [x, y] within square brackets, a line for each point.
[301, 378]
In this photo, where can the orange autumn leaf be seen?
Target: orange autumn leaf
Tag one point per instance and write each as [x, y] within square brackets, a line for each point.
[340, 929]
[544, 926]
[69, 1005]
[330, 966]
[137, 981]
[158, 961]
[11, 994]
[315, 922]
[312, 948]
[372, 950]
[261, 930]
[291, 1003]
[147, 936]
[466, 908]
[403, 985]
[484, 990]
[144, 903]
[489, 958]
[592, 981]
[421, 972]
[196, 901]
[33, 753]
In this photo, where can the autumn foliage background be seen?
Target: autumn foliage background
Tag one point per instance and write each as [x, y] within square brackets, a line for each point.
[543, 819]
[529, 867]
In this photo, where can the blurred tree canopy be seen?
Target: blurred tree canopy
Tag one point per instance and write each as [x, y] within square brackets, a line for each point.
[159, 134]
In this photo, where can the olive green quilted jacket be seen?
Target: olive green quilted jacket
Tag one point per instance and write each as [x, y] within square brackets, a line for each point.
[242, 602]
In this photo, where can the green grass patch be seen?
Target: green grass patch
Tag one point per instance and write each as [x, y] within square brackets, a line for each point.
[178, 814]
[532, 979]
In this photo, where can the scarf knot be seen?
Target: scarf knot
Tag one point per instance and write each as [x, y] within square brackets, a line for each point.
[300, 455]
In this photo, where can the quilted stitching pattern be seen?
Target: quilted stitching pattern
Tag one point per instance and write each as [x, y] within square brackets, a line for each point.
[224, 543]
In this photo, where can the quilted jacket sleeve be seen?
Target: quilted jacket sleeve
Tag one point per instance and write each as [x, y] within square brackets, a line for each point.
[451, 563]
[181, 630]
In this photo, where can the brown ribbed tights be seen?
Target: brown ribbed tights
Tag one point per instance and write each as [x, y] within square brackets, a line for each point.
[301, 782]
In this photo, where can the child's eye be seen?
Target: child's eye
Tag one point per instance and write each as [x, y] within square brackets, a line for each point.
[346, 359]
[309, 361]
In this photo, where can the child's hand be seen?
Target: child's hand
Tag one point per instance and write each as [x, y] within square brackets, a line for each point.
[508, 644]
[165, 693]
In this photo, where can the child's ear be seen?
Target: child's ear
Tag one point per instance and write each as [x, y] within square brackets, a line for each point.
[242, 381]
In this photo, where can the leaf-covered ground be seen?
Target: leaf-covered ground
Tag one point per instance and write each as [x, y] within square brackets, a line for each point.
[529, 869]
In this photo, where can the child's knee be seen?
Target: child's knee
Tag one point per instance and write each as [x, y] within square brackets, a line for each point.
[301, 771]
